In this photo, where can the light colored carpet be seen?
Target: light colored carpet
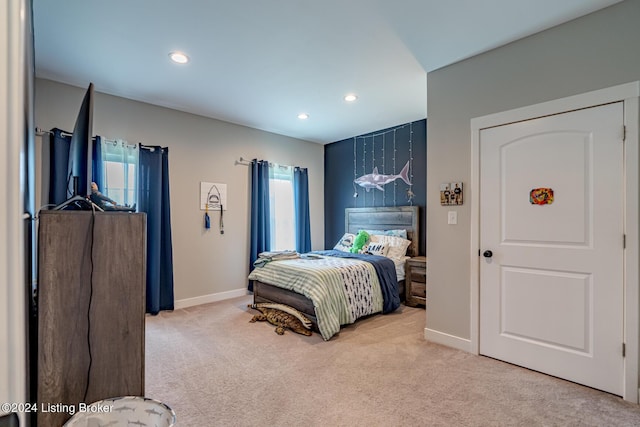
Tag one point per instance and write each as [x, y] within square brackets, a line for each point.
[214, 368]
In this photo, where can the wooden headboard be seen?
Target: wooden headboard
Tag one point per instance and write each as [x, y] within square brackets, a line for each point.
[405, 217]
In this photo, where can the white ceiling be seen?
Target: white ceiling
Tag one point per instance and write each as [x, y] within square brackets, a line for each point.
[259, 63]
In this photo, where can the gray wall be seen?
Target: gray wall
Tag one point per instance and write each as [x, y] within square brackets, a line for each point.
[206, 263]
[593, 52]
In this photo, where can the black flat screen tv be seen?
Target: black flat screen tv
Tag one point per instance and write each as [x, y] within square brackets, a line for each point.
[79, 168]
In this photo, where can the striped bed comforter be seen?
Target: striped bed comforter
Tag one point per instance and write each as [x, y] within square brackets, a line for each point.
[343, 287]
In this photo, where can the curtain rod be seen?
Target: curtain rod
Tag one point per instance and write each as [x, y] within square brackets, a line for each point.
[115, 142]
[243, 161]
[40, 132]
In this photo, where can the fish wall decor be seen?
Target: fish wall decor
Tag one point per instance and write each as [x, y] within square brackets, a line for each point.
[376, 180]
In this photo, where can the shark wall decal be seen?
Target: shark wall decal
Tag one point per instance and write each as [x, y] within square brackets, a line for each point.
[376, 180]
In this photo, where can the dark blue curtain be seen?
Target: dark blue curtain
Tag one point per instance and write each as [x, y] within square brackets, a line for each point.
[260, 218]
[301, 206]
[97, 170]
[153, 199]
[59, 144]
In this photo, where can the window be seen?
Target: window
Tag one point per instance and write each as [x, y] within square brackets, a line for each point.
[116, 175]
[282, 213]
[120, 161]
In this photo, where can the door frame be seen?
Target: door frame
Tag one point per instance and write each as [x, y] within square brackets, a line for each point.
[629, 93]
[13, 110]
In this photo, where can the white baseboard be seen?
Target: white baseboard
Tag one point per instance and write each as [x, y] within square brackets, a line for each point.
[206, 299]
[448, 340]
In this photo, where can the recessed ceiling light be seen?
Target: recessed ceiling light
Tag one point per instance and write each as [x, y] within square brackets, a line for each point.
[179, 57]
[303, 116]
[350, 97]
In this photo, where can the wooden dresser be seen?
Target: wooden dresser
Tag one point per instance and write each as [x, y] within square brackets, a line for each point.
[91, 308]
[416, 281]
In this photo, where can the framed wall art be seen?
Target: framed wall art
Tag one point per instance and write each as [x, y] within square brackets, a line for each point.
[451, 193]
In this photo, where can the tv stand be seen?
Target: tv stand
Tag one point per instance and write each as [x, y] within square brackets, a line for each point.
[90, 308]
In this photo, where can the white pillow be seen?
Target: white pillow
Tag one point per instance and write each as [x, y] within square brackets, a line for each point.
[397, 245]
[345, 242]
[380, 249]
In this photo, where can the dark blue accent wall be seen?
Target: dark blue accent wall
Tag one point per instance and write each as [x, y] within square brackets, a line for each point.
[388, 150]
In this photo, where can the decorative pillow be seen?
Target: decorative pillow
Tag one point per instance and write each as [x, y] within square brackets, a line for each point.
[345, 242]
[401, 232]
[397, 245]
[380, 249]
[361, 240]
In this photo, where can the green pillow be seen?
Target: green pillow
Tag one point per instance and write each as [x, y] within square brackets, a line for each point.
[359, 242]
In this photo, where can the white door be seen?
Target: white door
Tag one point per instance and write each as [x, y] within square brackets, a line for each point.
[551, 213]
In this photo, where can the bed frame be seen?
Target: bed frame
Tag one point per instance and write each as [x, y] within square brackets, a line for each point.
[374, 218]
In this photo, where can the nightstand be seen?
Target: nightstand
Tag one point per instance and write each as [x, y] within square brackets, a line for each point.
[416, 281]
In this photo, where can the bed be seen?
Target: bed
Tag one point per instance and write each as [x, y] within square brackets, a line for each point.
[268, 288]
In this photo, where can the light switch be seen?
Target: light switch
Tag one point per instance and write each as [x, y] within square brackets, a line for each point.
[452, 218]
